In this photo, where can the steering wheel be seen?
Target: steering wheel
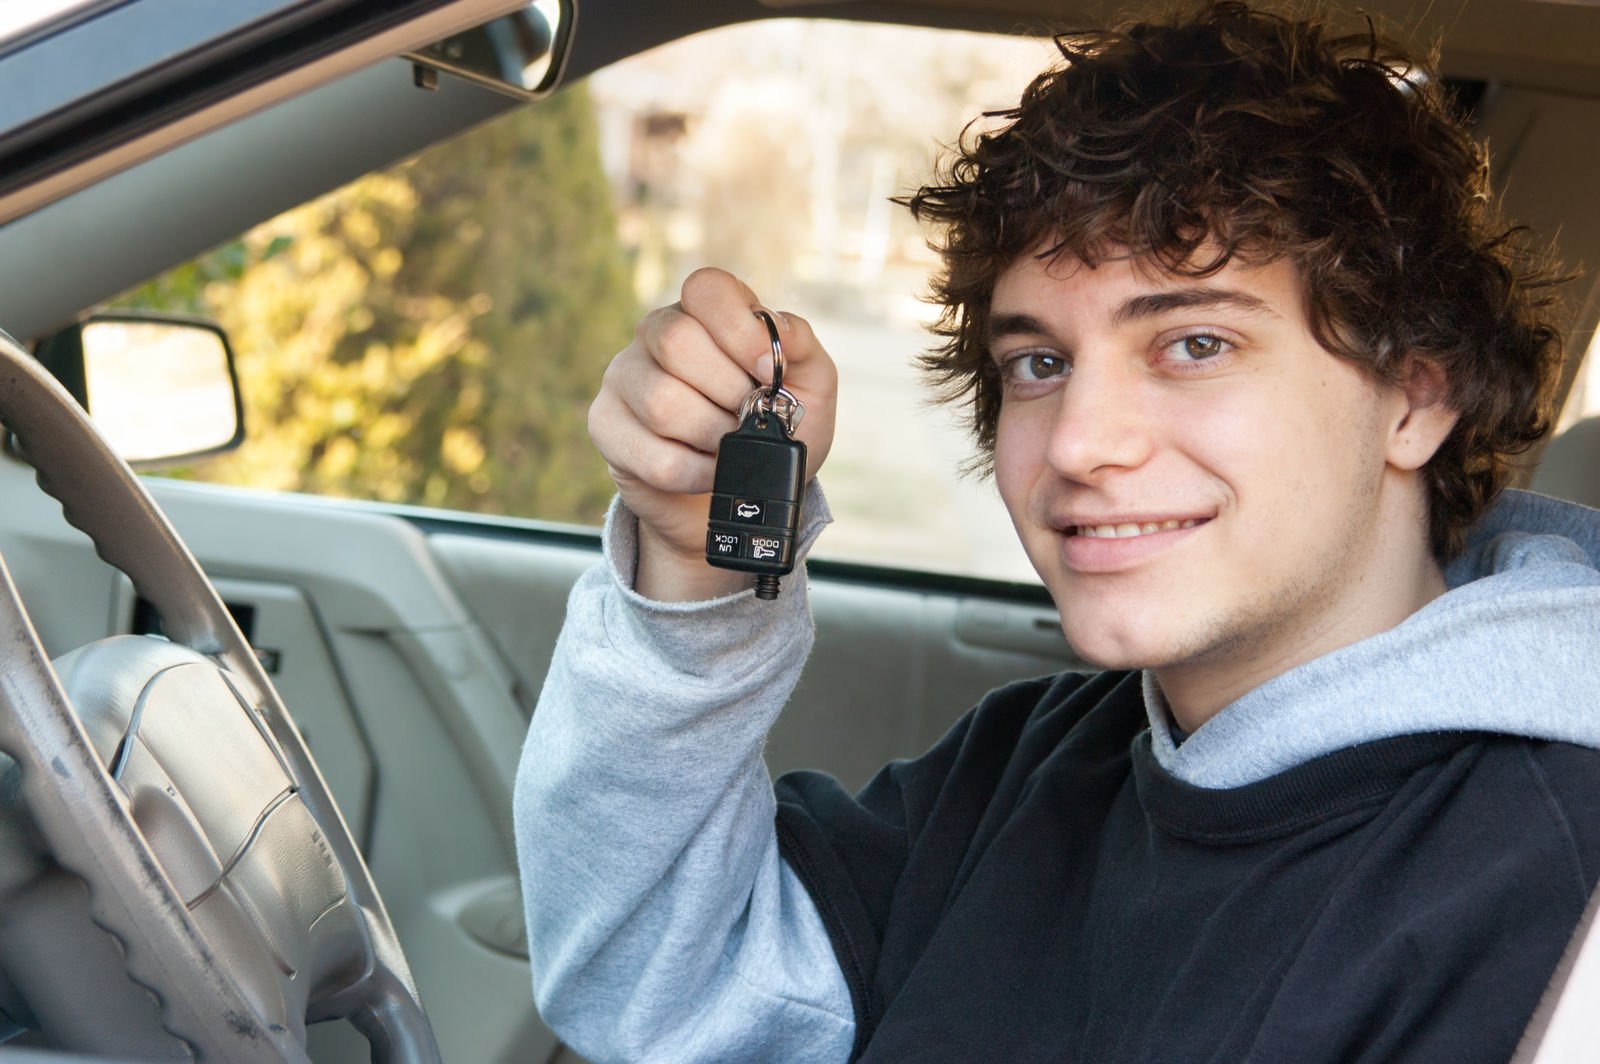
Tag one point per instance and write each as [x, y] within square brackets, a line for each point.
[176, 881]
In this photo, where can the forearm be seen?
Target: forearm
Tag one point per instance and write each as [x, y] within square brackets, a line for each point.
[660, 916]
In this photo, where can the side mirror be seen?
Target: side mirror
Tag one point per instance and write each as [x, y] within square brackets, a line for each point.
[161, 389]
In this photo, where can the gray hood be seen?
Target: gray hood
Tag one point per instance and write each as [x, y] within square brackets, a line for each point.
[1513, 647]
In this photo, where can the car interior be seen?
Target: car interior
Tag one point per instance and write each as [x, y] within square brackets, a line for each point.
[257, 747]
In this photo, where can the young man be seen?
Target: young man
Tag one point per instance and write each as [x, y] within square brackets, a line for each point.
[1248, 351]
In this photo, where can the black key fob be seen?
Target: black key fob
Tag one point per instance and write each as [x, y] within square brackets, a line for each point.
[755, 500]
[761, 471]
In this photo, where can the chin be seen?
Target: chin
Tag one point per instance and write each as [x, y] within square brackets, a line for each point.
[1115, 626]
[1107, 649]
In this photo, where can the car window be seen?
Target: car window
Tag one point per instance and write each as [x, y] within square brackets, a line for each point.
[19, 16]
[432, 334]
[1584, 399]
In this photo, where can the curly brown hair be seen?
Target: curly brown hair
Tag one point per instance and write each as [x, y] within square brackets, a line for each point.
[1233, 132]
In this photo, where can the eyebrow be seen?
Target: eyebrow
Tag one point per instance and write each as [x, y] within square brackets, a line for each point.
[1143, 306]
[1003, 325]
[1156, 303]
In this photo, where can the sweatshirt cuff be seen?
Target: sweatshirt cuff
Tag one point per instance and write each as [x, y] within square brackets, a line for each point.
[696, 635]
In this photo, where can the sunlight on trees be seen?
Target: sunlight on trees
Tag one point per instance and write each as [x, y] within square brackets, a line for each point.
[430, 334]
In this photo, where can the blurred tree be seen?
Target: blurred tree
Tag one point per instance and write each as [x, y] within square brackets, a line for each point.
[433, 333]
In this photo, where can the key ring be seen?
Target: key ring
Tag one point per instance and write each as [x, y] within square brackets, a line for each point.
[783, 406]
[774, 399]
[777, 351]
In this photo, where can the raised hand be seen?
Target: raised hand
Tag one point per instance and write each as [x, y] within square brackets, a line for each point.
[667, 400]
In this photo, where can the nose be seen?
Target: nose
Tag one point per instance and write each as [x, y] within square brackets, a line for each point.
[1102, 423]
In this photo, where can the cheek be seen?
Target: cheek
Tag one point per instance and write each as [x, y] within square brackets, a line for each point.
[1336, 440]
[1229, 439]
[1018, 452]
[1295, 457]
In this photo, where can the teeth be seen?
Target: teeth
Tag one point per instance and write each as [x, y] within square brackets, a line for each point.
[1128, 530]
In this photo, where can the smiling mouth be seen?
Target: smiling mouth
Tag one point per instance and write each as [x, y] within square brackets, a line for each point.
[1132, 529]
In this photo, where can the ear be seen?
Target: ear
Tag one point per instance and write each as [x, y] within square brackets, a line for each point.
[1423, 419]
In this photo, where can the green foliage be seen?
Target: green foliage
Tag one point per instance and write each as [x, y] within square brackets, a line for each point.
[432, 333]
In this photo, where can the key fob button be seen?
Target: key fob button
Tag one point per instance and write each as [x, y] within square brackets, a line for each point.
[743, 510]
[721, 544]
[760, 547]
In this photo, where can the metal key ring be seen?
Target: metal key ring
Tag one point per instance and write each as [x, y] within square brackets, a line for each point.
[783, 406]
[777, 351]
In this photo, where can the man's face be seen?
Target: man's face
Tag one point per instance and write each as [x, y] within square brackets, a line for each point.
[1196, 479]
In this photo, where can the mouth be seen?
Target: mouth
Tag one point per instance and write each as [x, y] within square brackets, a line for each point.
[1119, 545]
[1132, 529]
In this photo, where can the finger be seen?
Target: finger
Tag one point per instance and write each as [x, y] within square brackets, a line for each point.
[682, 346]
[633, 452]
[807, 368]
[672, 409]
[725, 306]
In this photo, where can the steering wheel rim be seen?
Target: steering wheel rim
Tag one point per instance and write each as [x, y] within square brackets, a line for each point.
[83, 818]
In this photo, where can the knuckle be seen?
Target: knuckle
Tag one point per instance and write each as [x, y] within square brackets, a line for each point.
[705, 281]
[674, 338]
[615, 370]
[600, 422]
[666, 470]
[657, 407]
[651, 323]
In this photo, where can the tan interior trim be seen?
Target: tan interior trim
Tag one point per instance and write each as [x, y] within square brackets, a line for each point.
[452, 18]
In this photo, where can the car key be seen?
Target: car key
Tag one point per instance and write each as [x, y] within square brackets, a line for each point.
[760, 473]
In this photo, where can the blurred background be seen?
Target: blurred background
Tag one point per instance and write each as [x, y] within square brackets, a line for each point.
[432, 334]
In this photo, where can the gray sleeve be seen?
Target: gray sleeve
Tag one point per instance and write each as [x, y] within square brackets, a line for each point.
[662, 923]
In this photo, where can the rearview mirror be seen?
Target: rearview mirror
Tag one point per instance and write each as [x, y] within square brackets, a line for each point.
[160, 389]
[521, 54]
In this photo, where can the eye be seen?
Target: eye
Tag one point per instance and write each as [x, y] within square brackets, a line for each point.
[1197, 347]
[1027, 367]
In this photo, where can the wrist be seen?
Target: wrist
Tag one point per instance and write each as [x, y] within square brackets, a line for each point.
[665, 574]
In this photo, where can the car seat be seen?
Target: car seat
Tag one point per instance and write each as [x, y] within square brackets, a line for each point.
[1570, 468]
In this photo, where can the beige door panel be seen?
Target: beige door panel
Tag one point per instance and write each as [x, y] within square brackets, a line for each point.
[891, 670]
